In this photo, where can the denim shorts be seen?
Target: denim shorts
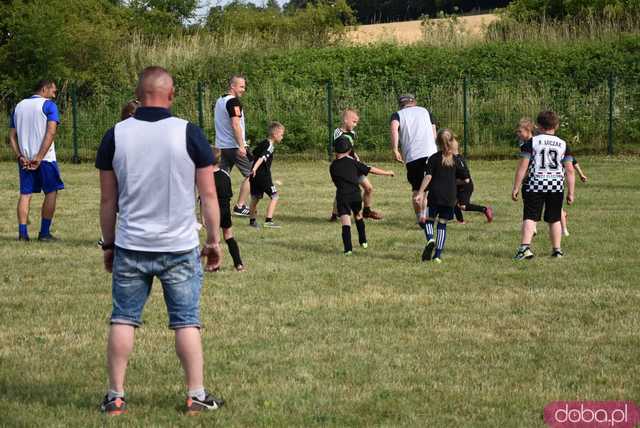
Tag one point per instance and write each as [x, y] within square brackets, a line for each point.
[179, 273]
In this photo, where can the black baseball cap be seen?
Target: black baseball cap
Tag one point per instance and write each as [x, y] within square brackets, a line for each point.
[342, 145]
[405, 98]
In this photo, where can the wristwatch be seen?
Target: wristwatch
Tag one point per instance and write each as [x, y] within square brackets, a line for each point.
[106, 247]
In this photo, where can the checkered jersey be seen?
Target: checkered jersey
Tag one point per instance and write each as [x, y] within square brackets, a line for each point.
[547, 155]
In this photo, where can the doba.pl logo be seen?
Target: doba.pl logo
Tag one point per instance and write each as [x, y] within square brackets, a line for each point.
[592, 414]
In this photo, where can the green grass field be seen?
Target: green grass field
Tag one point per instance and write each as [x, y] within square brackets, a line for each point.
[308, 337]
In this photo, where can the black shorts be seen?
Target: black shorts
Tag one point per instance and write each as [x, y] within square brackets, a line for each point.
[415, 172]
[464, 193]
[225, 213]
[347, 205]
[261, 185]
[440, 211]
[535, 201]
[230, 157]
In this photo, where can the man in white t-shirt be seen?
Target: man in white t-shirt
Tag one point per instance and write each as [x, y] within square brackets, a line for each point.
[150, 165]
[34, 123]
[413, 141]
[231, 138]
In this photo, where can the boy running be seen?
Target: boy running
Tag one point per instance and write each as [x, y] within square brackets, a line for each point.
[350, 120]
[440, 181]
[261, 181]
[345, 172]
[223, 188]
[545, 159]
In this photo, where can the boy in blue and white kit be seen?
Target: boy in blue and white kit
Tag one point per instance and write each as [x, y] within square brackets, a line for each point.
[33, 126]
[544, 160]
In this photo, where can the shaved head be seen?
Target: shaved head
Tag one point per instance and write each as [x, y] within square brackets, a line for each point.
[155, 87]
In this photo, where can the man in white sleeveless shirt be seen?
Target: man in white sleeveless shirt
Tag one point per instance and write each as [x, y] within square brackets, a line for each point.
[34, 123]
[413, 141]
[150, 165]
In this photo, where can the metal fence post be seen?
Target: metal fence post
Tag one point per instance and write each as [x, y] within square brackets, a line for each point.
[611, 106]
[465, 106]
[200, 105]
[329, 118]
[74, 114]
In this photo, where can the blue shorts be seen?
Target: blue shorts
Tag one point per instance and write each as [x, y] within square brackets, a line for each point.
[179, 273]
[440, 211]
[44, 179]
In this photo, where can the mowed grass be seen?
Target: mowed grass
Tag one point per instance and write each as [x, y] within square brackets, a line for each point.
[308, 337]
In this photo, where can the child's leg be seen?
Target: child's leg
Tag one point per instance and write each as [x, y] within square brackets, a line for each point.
[476, 208]
[345, 220]
[234, 250]
[458, 212]
[528, 229]
[555, 234]
[362, 236]
[428, 227]
[367, 196]
[253, 210]
[442, 237]
[563, 223]
[271, 208]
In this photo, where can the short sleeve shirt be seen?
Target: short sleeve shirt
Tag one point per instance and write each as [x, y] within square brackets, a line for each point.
[344, 173]
[547, 155]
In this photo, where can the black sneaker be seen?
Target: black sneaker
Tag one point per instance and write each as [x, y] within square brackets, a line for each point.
[241, 211]
[114, 407]
[195, 406]
[428, 249]
[523, 254]
[47, 238]
[24, 238]
[557, 253]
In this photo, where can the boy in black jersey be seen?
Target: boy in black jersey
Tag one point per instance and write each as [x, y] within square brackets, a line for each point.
[223, 188]
[261, 181]
[464, 187]
[440, 181]
[344, 172]
[544, 161]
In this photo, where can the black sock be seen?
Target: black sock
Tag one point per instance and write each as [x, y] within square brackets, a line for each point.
[362, 236]
[366, 210]
[478, 208]
[346, 238]
[458, 213]
[234, 250]
[268, 219]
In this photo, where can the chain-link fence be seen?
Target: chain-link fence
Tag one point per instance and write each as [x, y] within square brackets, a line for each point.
[483, 113]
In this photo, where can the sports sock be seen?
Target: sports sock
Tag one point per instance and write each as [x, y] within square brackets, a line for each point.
[234, 250]
[523, 247]
[366, 210]
[22, 230]
[346, 238]
[458, 213]
[362, 236]
[428, 229]
[477, 208]
[199, 393]
[442, 237]
[45, 224]
[268, 219]
[111, 394]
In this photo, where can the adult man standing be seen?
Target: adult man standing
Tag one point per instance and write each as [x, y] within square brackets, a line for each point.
[34, 123]
[148, 166]
[230, 138]
[414, 129]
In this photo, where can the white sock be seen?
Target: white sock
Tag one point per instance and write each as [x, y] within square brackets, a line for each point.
[111, 394]
[199, 393]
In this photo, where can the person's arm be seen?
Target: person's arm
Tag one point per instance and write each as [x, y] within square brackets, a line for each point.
[211, 215]
[423, 188]
[583, 177]
[380, 171]
[238, 135]
[256, 165]
[521, 170]
[13, 142]
[394, 130]
[435, 132]
[47, 141]
[108, 210]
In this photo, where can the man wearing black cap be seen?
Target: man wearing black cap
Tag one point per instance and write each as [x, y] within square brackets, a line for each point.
[413, 131]
[345, 172]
